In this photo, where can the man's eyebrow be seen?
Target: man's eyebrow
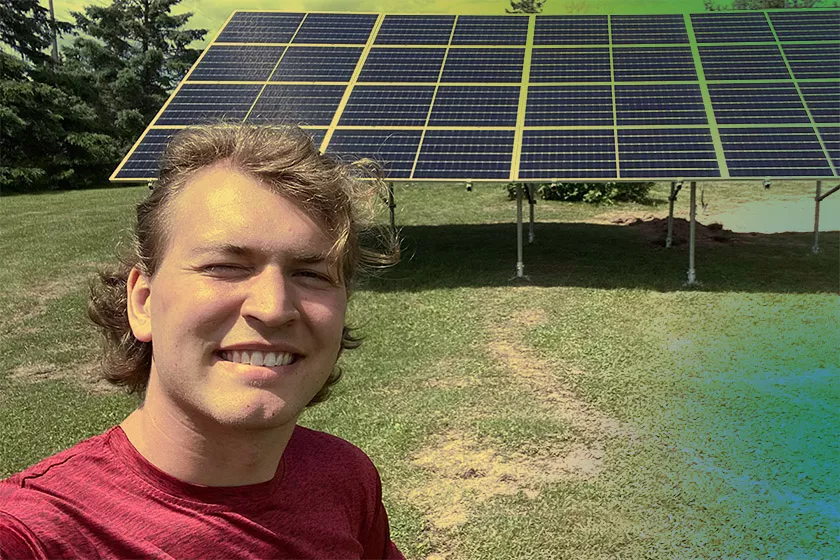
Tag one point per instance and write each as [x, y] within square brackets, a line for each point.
[302, 256]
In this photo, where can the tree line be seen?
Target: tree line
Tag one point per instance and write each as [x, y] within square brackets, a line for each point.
[68, 117]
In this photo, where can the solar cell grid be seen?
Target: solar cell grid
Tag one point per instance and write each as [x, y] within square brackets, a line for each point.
[823, 100]
[773, 152]
[732, 28]
[743, 62]
[239, 64]
[483, 65]
[402, 65]
[569, 106]
[666, 29]
[814, 61]
[144, 161]
[394, 149]
[565, 154]
[658, 104]
[776, 103]
[571, 30]
[806, 25]
[475, 106]
[468, 154]
[656, 64]
[260, 27]
[204, 103]
[345, 29]
[570, 65]
[317, 64]
[317, 135]
[490, 30]
[307, 104]
[415, 30]
[668, 152]
[388, 106]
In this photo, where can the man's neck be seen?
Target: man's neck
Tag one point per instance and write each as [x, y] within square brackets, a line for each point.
[194, 454]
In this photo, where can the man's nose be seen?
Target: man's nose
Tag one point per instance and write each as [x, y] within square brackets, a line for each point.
[271, 298]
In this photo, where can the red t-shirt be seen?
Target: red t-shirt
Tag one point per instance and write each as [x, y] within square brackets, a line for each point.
[102, 499]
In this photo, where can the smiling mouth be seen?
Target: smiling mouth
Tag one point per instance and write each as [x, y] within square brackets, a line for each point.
[258, 358]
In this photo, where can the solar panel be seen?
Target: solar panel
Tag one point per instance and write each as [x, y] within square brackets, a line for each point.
[531, 97]
[232, 63]
[395, 149]
[483, 65]
[490, 30]
[774, 152]
[777, 103]
[745, 27]
[570, 65]
[388, 106]
[402, 65]
[569, 106]
[317, 64]
[204, 103]
[571, 30]
[415, 30]
[256, 27]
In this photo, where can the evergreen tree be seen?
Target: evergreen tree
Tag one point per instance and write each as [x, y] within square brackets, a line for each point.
[525, 7]
[25, 26]
[138, 51]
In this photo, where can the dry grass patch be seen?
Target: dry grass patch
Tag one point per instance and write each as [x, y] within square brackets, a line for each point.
[86, 374]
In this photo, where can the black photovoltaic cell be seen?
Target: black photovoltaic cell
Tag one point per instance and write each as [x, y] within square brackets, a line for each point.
[658, 104]
[567, 154]
[395, 150]
[569, 106]
[655, 64]
[668, 152]
[483, 65]
[743, 62]
[467, 154]
[402, 65]
[777, 103]
[415, 30]
[814, 61]
[773, 152]
[475, 106]
[260, 27]
[570, 65]
[823, 100]
[237, 64]
[747, 27]
[317, 64]
[571, 30]
[831, 139]
[205, 103]
[806, 25]
[144, 162]
[331, 29]
[307, 104]
[387, 106]
[490, 30]
[648, 29]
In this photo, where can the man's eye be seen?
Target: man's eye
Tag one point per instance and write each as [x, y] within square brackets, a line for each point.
[222, 268]
[316, 275]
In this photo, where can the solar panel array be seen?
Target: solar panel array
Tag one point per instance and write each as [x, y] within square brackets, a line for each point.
[529, 97]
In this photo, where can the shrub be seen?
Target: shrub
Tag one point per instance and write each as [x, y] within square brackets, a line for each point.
[593, 193]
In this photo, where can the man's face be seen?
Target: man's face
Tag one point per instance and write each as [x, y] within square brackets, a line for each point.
[244, 278]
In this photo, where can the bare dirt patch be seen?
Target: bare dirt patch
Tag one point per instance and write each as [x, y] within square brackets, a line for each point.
[85, 374]
[655, 230]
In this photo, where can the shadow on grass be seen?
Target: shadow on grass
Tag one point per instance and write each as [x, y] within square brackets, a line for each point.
[610, 257]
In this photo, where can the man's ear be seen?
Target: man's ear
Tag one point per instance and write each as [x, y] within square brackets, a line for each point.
[139, 295]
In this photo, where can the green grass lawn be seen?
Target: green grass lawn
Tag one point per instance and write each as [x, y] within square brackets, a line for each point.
[600, 410]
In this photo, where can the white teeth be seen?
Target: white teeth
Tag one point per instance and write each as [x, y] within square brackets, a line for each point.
[258, 358]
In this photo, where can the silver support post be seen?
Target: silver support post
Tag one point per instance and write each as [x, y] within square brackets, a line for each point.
[520, 265]
[816, 248]
[391, 204]
[531, 203]
[692, 276]
[671, 199]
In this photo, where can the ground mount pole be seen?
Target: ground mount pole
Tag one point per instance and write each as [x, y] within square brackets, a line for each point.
[692, 275]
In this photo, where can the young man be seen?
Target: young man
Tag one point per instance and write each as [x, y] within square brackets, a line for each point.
[228, 318]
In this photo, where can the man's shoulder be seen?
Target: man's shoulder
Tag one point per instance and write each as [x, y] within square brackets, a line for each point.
[316, 451]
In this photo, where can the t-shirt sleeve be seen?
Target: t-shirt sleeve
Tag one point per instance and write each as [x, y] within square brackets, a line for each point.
[379, 544]
[17, 541]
